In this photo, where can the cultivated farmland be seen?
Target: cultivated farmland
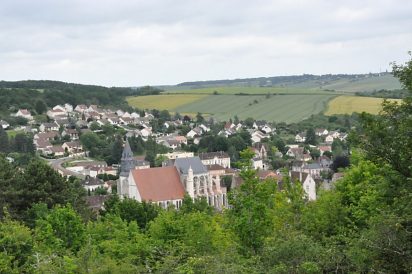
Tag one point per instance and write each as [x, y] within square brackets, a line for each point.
[280, 108]
[350, 104]
[251, 91]
[169, 102]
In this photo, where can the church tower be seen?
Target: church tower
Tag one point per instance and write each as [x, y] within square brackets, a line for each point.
[127, 163]
[189, 182]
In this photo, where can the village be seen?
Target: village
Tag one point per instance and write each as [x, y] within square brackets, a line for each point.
[179, 169]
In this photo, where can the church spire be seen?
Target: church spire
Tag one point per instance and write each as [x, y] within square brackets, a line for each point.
[127, 161]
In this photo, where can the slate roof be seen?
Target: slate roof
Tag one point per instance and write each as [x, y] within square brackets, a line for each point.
[211, 155]
[183, 165]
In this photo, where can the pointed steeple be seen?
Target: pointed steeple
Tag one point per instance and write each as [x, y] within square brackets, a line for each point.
[127, 151]
[127, 162]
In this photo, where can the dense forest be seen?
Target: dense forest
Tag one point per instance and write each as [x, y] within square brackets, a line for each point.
[362, 225]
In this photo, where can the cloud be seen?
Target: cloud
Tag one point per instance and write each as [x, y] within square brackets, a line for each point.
[132, 42]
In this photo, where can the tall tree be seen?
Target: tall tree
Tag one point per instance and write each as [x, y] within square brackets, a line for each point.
[311, 137]
[40, 107]
[4, 140]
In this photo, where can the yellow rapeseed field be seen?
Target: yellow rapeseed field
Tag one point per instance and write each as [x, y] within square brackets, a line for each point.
[350, 104]
[169, 102]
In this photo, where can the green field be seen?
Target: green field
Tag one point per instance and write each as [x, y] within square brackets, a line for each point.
[279, 108]
[249, 90]
[169, 102]
[350, 104]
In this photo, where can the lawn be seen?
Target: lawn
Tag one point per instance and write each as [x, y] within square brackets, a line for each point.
[250, 90]
[169, 102]
[350, 104]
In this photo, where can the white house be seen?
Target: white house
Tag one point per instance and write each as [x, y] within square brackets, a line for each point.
[308, 183]
[48, 127]
[4, 124]
[215, 158]
[59, 107]
[24, 113]
[300, 137]
[321, 132]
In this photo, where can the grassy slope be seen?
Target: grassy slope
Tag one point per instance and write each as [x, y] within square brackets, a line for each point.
[350, 104]
[249, 90]
[366, 84]
[168, 102]
[280, 108]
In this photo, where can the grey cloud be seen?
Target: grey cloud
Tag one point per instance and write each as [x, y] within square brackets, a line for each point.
[167, 41]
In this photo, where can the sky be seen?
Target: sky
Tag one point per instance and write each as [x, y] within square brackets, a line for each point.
[159, 42]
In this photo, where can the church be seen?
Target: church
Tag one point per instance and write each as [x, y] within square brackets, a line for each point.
[167, 185]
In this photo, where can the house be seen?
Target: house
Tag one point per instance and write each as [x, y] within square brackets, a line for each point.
[215, 158]
[134, 115]
[171, 143]
[257, 163]
[4, 124]
[329, 139]
[300, 137]
[126, 120]
[50, 135]
[68, 107]
[146, 132]
[257, 136]
[24, 113]
[72, 147]
[194, 132]
[308, 183]
[80, 108]
[295, 152]
[71, 132]
[259, 124]
[204, 128]
[113, 120]
[42, 145]
[177, 154]
[126, 115]
[49, 127]
[92, 183]
[62, 122]
[54, 113]
[269, 174]
[60, 108]
[323, 149]
[314, 169]
[57, 151]
[119, 112]
[321, 132]
[325, 162]
[266, 129]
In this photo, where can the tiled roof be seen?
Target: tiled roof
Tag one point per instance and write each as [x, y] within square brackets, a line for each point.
[158, 184]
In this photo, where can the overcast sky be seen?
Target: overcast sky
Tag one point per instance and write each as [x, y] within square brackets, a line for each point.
[134, 43]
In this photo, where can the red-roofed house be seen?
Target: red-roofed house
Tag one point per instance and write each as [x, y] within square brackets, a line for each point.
[24, 113]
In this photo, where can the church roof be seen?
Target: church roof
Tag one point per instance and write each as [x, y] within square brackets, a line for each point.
[158, 184]
[183, 165]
